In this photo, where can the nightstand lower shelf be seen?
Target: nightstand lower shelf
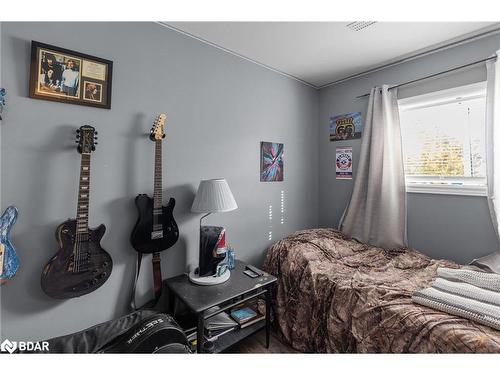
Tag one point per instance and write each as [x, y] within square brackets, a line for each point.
[231, 338]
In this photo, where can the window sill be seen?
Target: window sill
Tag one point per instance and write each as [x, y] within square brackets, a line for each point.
[471, 190]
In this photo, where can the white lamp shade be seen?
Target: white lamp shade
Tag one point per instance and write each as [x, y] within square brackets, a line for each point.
[214, 196]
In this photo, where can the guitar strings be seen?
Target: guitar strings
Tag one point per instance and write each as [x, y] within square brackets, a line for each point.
[77, 264]
[77, 256]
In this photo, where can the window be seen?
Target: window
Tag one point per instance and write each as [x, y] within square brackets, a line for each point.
[443, 136]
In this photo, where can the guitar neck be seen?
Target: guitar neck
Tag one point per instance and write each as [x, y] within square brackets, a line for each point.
[158, 199]
[82, 211]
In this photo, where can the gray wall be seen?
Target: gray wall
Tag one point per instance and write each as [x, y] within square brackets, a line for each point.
[442, 226]
[219, 108]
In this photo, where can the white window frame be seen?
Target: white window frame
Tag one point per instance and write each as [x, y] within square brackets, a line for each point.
[472, 186]
[446, 185]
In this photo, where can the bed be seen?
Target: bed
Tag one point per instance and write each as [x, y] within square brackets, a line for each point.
[336, 295]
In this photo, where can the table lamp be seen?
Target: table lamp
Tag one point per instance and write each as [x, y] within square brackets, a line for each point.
[213, 196]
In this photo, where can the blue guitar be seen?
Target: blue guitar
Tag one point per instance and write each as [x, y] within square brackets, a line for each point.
[9, 262]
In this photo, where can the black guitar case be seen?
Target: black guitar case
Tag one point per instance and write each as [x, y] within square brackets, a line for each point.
[143, 331]
[157, 334]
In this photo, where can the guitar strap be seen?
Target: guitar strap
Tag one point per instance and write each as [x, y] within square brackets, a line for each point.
[157, 280]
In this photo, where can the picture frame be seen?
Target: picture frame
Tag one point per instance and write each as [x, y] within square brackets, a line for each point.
[62, 75]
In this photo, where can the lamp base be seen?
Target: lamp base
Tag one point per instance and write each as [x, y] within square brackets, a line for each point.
[209, 280]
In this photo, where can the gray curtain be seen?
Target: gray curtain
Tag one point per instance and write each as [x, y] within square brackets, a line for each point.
[493, 140]
[376, 213]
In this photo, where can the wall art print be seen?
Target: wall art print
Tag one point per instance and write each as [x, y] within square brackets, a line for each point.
[62, 75]
[343, 163]
[271, 161]
[345, 127]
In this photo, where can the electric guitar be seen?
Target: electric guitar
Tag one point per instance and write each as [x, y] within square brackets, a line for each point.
[9, 262]
[81, 265]
[156, 229]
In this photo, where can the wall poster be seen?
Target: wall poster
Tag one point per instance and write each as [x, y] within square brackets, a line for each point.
[345, 127]
[343, 163]
[271, 161]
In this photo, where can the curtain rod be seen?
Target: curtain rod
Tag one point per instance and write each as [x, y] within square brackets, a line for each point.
[434, 75]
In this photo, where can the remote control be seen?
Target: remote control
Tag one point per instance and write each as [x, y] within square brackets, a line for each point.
[254, 269]
[251, 274]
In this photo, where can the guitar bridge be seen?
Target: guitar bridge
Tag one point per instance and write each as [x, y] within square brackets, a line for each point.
[156, 234]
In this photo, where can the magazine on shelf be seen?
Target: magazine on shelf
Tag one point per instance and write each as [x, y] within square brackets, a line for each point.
[220, 321]
[248, 314]
[243, 314]
[214, 335]
[250, 322]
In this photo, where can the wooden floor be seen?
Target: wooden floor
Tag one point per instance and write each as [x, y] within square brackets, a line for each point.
[256, 344]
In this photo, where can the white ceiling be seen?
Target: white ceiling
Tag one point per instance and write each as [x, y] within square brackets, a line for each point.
[323, 52]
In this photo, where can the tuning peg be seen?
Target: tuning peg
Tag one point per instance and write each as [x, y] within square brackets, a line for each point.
[77, 131]
[96, 143]
[77, 141]
[163, 136]
[93, 148]
[96, 133]
[96, 138]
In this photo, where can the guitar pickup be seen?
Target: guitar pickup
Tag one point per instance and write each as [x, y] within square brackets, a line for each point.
[156, 234]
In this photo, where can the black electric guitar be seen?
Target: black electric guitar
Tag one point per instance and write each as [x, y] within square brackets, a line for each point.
[155, 229]
[81, 265]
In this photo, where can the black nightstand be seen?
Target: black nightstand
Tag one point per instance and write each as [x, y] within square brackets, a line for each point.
[238, 289]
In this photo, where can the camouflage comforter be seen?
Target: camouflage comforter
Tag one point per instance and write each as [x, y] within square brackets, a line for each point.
[338, 295]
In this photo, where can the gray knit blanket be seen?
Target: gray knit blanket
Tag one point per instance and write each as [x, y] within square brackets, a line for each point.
[472, 293]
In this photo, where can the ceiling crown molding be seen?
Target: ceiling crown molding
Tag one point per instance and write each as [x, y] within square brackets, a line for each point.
[470, 37]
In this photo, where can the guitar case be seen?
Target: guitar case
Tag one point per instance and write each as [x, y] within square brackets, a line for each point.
[158, 333]
[143, 331]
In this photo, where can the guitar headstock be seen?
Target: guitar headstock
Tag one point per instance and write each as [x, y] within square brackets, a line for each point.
[86, 138]
[157, 133]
